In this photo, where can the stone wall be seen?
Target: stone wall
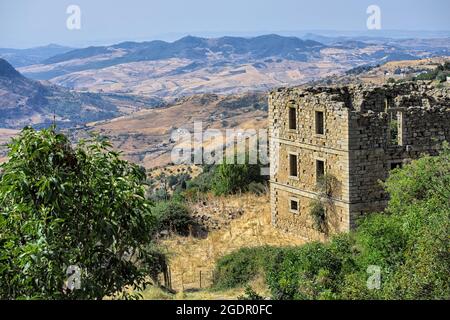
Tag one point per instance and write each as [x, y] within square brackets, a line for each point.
[357, 146]
[330, 147]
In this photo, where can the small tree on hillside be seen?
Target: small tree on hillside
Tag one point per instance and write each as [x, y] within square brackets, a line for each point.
[232, 178]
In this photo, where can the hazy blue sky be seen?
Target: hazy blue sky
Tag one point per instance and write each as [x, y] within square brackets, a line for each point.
[25, 23]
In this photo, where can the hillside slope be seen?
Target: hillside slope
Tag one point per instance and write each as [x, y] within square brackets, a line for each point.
[188, 256]
[145, 136]
[28, 102]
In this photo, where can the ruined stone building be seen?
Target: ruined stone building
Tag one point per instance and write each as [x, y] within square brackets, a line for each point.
[331, 147]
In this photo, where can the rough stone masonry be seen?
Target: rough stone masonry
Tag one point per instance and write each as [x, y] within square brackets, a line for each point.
[351, 135]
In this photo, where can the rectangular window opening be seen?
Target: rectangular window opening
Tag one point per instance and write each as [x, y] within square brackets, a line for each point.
[294, 206]
[292, 118]
[320, 170]
[320, 122]
[293, 172]
[395, 127]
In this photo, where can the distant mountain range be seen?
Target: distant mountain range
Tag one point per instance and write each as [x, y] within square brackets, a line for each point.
[192, 48]
[25, 57]
[193, 65]
[77, 86]
[28, 102]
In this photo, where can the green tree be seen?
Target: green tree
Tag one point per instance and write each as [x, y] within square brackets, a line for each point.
[173, 216]
[232, 178]
[64, 206]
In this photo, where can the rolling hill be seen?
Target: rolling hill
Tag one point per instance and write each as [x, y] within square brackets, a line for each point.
[28, 102]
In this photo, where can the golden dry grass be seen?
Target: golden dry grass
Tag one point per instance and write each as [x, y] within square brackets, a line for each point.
[188, 256]
[154, 293]
[192, 170]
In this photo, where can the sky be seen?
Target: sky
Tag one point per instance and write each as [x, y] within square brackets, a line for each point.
[28, 23]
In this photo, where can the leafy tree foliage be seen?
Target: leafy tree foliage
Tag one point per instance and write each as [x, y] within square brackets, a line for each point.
[63, 206]
[233, 178]
[173, 216]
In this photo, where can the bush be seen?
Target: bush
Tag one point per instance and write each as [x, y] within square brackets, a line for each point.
[226, 179]
[160, 194]
[241, 266]
[317, 212]
[391, 80]
[305, 272]
[173, 216]
[233, 178]
[63, 206]
[200, 184]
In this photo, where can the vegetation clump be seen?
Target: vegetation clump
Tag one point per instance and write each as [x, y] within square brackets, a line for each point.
[440, 73]
[173, 216]
[227, 179]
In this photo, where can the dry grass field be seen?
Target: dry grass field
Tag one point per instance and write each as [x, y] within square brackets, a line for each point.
[188, 256]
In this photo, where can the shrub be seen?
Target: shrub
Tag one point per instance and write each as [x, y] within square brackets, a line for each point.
[317, 212]
[305, 272]
[241, 266]
[200, 184]
[225, 179]
[173, 216]
[159, 194]
[63, 206]
[391, 80]
[233, 178]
